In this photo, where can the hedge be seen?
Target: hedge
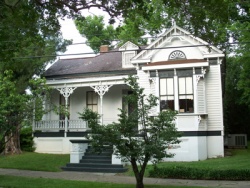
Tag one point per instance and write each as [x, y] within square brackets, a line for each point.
[180, 172]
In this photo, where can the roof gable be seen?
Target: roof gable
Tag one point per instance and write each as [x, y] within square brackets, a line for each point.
[177, 38]
[128, 46]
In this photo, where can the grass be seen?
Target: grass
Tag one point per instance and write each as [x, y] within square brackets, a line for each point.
[238, 160]
[35, 161]
[24, 182]
[53, 162]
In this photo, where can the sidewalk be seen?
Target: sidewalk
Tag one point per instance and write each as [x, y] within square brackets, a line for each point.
[114, 178]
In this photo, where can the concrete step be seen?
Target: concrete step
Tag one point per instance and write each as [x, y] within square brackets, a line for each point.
[88, 169]
[94, 165]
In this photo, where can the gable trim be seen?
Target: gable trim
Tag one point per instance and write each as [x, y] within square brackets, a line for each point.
[176, 66]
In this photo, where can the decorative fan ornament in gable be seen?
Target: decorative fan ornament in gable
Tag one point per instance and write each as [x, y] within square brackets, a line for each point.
[177, 54]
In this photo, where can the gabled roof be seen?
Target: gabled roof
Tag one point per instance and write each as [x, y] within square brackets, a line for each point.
[103, 63]
[174, 32]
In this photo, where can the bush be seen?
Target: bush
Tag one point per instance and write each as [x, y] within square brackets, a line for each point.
[195, 173]
[26, 139]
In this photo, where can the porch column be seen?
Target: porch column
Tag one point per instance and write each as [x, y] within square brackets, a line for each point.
[66, 92]
[101, 90]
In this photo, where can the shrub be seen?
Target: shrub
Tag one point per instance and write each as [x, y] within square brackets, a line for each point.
[26, 139]
[195, 173]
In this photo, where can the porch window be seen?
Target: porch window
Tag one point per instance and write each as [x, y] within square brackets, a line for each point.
[186, 102]
[92, 100]
[166, 93]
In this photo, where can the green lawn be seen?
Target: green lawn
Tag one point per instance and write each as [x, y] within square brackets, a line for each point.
[23, 182]
[34, 161]
[240, 159]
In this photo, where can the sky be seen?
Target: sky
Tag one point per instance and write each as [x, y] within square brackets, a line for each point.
[70, 32]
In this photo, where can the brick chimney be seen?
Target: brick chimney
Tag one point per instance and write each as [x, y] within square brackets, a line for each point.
[104, 48]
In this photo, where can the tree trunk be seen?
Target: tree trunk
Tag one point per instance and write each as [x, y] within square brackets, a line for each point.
[138, 175]
[12, 142]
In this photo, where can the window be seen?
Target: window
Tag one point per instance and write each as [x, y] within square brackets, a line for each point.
[186, 103]
[166, 93]
[92, 99]
[176, 55]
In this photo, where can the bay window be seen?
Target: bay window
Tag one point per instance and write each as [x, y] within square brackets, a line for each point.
[176, 92]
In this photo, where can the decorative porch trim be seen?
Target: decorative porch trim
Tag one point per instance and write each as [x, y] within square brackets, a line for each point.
[101, 89]
[66, 91]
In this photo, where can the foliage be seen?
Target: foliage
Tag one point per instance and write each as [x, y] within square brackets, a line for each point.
[26, 139]
[149, 143]
[27, 48]
[181, 172]
[97, 34]
[233, 103]
[93, 28]
[16, 108]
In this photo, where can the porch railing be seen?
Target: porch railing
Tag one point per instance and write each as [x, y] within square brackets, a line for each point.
[57, 125]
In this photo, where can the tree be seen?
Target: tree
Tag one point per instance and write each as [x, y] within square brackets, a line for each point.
[233, 104]
[149, 143]
[27, 47]
[17, 108]
[93, 28]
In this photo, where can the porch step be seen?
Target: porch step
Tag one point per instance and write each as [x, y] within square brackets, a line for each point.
[96, 162]
[96, 169]
[92, 165]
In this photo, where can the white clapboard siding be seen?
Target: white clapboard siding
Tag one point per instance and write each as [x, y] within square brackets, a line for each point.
[144, 81]
[214, 98]
[148, 85]
[201, 97]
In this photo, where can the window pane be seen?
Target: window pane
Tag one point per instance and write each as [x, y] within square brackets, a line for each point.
[163, 87]
[189, 85]
[95, 98]
[182, 86]
[94, 108]
[170, 97]
[190, 105]
[171, 104]
[182, 104]
[170, 86]
[89, 97]
[182, 97]
[163, 104]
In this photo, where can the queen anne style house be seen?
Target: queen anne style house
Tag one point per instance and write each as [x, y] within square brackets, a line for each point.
[180, 69]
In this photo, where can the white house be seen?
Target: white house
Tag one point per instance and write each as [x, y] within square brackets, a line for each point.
[179, 68]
